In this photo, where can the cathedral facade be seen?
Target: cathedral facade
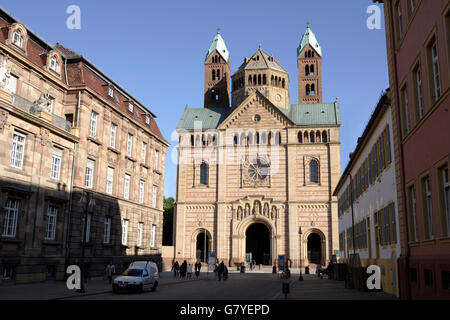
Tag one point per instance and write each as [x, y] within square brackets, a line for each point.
[255, 173]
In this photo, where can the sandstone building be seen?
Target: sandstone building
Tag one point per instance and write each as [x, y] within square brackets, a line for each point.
[250, 174]
[68, 131]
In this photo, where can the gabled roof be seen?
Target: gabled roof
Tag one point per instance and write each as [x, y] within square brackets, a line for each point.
[219, 45]
[309, 38]
[210, 118]
[261, 60]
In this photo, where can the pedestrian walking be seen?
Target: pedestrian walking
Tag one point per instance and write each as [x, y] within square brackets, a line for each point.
[175, 269]
[110, 271]
[220, 270]
[198, 267]
[189, 271]
[183, 269]
[225, 273]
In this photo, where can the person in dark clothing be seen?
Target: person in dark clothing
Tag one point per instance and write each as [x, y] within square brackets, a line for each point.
[225, 273]
[330, 270]
[175, 269]
[198, 267]
[220, 270]
[183, 269]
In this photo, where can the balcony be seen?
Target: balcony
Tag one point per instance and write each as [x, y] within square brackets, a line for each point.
[32, 108]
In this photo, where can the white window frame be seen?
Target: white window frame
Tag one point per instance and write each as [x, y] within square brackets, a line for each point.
[110, 180]
[124, 232]
[93, 125]
[90, 171]
[156, 163]
[153, 236]
[54, 64]
[129, 145]
[130, 107]
[147, 120]
[10, 218]
[419, 93]
[18, 150]
[144, 153]
[55, 171]
[435, 65]
[140, 232]
[52, 218]
[113, 136]
[155, 196]
[107, 230]
[406, 106]
[141, 191]
[400, 20]
[18, 38]
[126, 187]
[446, 194]
[429, 205]
[111, 92]
[414, 212]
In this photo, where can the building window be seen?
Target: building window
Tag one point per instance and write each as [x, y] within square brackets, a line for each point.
[153, 237]
[436, 79]
[112, 136]
[314, 172]
[154, 196]
[144, 152]
[130, 107]
[107, 231]
[418, 95]
[110, 92]
[90, 167]
[88, 228]
[126, 187]
[18, 38]
[446, 280]
[140, 231]
[413, 273]
[445, 191]
[129, 145]
[413, 214]
[110, 180]
[428, 211]
[18, 150]
[11, 215]
[405, 103]
[156, 163]
[147, 120]
[204, 174]
[398, 10]
[428, 277]
[55, 171]
[52, 214]
[54, 64]
[141, 191]
[124, 232]
[93, 125]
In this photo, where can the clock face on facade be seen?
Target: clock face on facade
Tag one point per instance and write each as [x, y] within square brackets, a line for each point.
[258, 170]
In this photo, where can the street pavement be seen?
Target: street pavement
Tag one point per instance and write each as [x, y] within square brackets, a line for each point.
[248, 286]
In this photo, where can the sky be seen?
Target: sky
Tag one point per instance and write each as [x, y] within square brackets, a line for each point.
[156, 50]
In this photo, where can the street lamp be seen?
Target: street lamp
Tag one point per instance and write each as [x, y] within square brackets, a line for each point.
[88, 201]
[300, 278]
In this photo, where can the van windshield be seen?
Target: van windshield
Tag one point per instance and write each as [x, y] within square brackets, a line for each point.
[133, 273]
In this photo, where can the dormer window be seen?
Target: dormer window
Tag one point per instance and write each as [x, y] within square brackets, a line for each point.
[130, 107]
[147, 120]
[18, 38]
[110, 92]
[54, 64]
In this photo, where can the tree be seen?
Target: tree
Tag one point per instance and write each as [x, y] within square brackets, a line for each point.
[169, 204]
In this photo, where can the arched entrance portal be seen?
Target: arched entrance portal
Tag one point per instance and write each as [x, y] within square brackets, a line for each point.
[202, 247]
[258, 243]
[314, 248]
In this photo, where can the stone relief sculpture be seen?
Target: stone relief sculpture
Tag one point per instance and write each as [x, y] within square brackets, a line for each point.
[44, 102]
[5, 73]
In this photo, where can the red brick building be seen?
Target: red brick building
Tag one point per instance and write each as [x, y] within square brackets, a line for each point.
[418, 43]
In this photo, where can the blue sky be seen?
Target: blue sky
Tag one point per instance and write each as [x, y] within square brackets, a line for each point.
[156, 49]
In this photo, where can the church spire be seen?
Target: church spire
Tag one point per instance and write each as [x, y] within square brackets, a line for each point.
[217, 74]
[309, 63]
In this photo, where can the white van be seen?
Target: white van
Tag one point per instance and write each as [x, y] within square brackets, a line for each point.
[140, 275]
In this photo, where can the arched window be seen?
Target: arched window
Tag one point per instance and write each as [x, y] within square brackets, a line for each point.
[243, 139]
[250, 80]
[283, 84]
[264, 138]
[257, 138]
[254, 80]
[264, 79]
[250, 139]
[306, 54]
[308, 90]
[318, 137]
[203, 140]
[300, 137]
[277, 138]
[314, 172]
[313, 89]
[324, 136]
[218, 74]
[204, 174]
[18, 38]
[54, 63]
[311, 70]
[192, 140]
[311, 137]
[214, 74]
[236, 139]
[259, 79]
[197, 141]
[312, 54]
[270, 138]
[306, 137]
[307, 70]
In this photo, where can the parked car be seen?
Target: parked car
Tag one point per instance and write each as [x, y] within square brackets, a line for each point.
[140, 275]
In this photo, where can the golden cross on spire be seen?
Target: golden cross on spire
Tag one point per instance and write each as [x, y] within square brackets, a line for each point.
[218, 30]
[308, 23]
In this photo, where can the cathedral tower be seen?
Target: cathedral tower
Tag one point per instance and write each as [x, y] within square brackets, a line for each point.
[217, 74]
[309, 62]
